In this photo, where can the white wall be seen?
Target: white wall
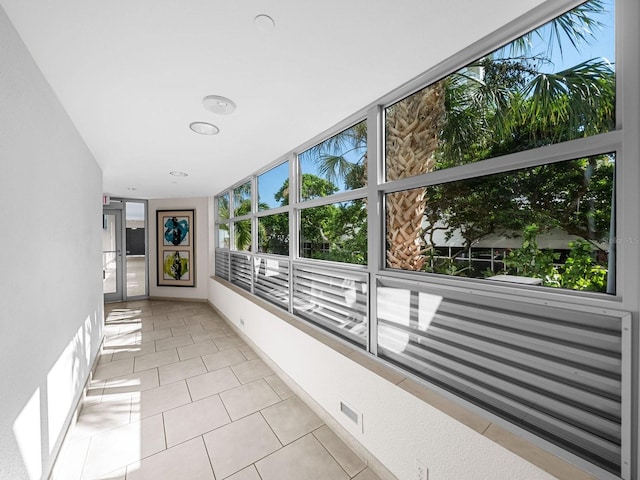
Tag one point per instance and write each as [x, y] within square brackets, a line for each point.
[398, 427]
[201, 207]
[51, 312]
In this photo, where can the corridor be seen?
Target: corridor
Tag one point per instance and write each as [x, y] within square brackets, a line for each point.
[178, 395]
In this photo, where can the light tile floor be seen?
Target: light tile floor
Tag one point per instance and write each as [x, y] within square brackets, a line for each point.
[178, 395]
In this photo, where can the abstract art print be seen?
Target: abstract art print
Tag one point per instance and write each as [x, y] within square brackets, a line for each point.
[175, 245]
[175, 265]
[176, 231]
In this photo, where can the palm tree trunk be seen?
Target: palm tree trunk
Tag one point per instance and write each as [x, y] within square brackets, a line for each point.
[412, 136]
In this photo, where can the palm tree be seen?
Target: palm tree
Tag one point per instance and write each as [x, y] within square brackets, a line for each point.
[413, 135]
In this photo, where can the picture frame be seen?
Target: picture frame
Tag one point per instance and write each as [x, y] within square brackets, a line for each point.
[175, 245]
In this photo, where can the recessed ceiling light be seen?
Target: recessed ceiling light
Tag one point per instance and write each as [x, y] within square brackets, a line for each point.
[218, 104]
[179, 174]
[132, 189]
[204, 128]
[264, 23]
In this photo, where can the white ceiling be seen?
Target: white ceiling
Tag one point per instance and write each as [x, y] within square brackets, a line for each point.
[132, 74]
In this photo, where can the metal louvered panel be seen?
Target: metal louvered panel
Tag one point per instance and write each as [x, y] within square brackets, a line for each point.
[241, 270]
[272, 280]
[555, 372]
[334, 299]
[222, 264]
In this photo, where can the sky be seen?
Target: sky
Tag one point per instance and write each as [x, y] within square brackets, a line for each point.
[601, 44]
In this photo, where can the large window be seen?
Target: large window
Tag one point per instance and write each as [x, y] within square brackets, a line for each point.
[480, 227]
[551, 222]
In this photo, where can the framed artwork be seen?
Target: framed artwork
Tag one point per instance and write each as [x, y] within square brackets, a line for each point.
[175, 247]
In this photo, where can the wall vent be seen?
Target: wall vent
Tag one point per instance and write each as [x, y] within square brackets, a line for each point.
[349, 412]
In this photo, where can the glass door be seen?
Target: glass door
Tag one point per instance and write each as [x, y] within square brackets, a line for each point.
[136, 260]
[112, 255]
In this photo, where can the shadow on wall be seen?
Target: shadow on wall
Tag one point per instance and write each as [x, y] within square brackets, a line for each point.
[40, 426]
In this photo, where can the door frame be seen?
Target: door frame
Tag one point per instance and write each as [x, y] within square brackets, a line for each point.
[117, 210]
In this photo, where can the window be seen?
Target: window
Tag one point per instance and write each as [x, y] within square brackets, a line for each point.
[336, 231]
[242, 235]
[223, 235]
[273, 188]
[242, 200]
[548, 224]
[336, 165]
[223, 220]
[273, 192]
[273, 234]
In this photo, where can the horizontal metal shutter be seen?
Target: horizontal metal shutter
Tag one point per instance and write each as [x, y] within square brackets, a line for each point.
[336, 300]
[241, 270]
[222, 264]
[272, 280]
[552, 371]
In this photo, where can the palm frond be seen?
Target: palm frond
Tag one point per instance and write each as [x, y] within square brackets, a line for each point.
[577, 26]
[334, 167]
[572, 97]
[242, 232]
[352, 138]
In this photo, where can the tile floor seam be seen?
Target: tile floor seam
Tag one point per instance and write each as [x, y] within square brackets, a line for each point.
[208, 456]
[164, 431]
[334, 458]
[258, 460]
[271, 428]
[188, 389]
[230, 367]
[225, 408]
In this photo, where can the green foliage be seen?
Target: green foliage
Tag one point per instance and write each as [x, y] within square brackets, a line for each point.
[530, 261]
[311, 187]
[342, 226]
[348, 233]
[341, 157]
[242, 232]
[223, 207]
[581, 272]
[449, 266]
[273, 234]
